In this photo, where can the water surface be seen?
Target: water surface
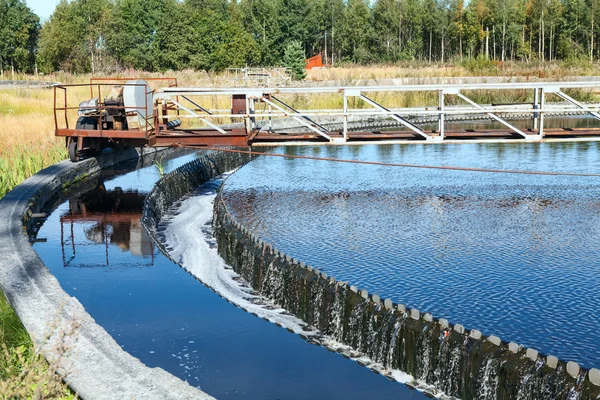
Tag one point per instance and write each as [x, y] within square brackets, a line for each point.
[511, 255]
[101, 254]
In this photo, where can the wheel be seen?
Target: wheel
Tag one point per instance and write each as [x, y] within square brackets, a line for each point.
[84, 123]
[73, 150]
[87, 123]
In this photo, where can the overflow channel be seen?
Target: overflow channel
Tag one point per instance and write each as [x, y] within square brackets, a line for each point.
[93, 242]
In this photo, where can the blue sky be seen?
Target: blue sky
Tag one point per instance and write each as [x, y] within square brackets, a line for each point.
[43, 8]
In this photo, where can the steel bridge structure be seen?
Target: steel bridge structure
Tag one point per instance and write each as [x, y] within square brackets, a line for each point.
[180, 116]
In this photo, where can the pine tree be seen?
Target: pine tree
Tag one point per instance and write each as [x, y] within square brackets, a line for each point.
[293, 58]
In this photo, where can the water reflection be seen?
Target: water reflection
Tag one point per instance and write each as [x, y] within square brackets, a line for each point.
[107, 217]
[167, 319]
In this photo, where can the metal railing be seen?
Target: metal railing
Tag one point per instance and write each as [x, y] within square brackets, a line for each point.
[101, 109]
[277, 108]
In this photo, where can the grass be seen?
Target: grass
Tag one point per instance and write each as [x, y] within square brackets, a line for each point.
[476, 67]
[27, 145]
[23, 373]
[27, 142]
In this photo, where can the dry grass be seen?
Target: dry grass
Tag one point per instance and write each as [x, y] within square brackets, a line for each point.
[27, 142]
[351, 73]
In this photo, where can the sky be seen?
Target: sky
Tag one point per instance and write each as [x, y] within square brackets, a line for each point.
[43, 8]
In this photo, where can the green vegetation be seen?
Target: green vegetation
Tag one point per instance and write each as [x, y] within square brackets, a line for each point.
[27, 146]
[23, 373]
[19, 30]
[157, 35]
[293, 58]
[22, 162]
[160, 166]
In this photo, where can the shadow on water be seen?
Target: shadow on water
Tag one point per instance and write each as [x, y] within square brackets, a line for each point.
[93, 242]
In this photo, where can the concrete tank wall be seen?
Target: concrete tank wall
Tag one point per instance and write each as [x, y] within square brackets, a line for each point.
[94, 365]
[460, 362]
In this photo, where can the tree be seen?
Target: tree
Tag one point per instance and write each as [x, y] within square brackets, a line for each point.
[74, 36]
[89, 35]
[412, 17]
[261, 20]
[357, 32]
[19, 30]
[293, 58]
[235, 47]
[133, 30]
[457, 29]
[387, 22]
[299, 24]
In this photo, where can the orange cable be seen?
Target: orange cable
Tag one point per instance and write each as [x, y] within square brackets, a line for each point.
[380, 163]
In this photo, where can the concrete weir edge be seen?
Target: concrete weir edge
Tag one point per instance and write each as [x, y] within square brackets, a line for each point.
[94, 365]
[460, 362]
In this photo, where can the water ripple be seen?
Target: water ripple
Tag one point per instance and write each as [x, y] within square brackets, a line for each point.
[511, 255]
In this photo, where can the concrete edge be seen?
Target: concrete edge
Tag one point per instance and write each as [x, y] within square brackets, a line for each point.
[84, 354]
[563, 373]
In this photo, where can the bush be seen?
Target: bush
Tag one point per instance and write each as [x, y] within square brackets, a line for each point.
[481, 64]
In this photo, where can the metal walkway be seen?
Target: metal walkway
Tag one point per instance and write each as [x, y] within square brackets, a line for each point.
[281, 116]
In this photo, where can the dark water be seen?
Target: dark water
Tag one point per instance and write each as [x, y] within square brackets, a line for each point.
[101, 254]
[511, 255]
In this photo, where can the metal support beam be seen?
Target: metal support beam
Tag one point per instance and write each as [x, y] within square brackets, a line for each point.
[194, 114]
[270, 119]
[541, 113]
[578, 104]
[536, 106]
[345, 117]
[301, 120]
[251, 112]
[494, 116]
[307, 119]
[398, 118]
[197, 105]
[441, 118]
[247, 121]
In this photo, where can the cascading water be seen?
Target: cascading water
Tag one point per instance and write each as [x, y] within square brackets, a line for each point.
[488, 379]
[456, 362]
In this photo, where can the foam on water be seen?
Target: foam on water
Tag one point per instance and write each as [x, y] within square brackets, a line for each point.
[186, 234]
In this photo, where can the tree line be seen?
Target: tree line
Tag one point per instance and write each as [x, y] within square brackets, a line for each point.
[156, 35]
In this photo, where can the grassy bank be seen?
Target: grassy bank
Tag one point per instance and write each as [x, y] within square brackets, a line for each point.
[27, 144]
